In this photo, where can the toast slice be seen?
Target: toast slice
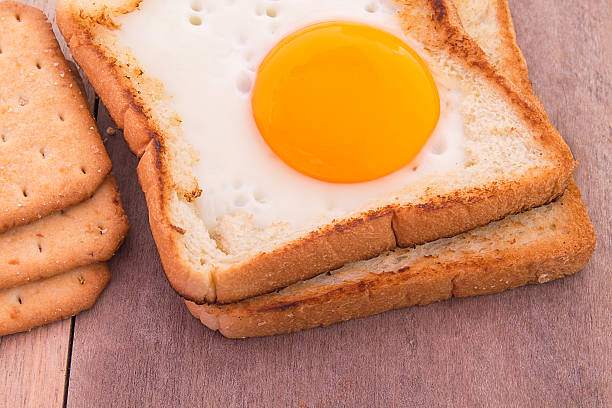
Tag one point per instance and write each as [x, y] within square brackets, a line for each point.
[537, 246]
[516, 160]
[80, 235]
[534, 247]
[59, 297]
[51, 155]
[490, 24]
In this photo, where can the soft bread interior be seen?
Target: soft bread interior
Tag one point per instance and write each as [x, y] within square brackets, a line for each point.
[539, 245]
[507, 141]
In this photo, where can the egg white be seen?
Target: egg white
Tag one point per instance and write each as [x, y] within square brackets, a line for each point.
[206, 53]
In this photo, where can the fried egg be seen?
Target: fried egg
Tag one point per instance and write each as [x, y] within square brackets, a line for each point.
[300, 110]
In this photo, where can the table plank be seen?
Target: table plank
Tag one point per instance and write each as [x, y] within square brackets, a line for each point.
[545, 345]
[35, 364]
[34, 367]
[570, 61]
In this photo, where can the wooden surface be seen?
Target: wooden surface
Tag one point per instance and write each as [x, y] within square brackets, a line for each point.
[546, 345]
[33, 366]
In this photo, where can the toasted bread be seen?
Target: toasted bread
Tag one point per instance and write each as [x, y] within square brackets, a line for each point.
[519, 161]
[534, 247]
[537, 246]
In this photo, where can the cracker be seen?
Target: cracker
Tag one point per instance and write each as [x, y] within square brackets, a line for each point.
[87, 232]
[48, 300]
[51, 155]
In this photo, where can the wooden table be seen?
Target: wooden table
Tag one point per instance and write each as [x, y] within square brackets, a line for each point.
[545, 345]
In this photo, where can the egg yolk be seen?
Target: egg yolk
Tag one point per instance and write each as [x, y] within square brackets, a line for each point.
[344, 102]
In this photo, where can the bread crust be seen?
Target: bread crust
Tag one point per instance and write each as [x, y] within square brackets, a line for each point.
[331, 305]
[511, 61]
[183, 279]
[451, 214]
[438, 275]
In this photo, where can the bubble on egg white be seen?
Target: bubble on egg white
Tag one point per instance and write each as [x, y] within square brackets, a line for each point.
[242, 39]
[241, 201]
[271, 11]
[237, 184]
[259, 197]
[195, 20]
[243, 83]
[439, 146]
[371, 7]
[196, 5]
[237, 35]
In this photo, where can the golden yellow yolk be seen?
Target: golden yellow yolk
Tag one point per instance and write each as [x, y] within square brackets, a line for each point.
[345, 102]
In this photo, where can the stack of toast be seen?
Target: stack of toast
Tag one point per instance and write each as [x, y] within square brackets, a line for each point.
[61, 215]
[505, 215]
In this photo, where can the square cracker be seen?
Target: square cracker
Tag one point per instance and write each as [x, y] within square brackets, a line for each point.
[48, 300]
[51, 155]
[88, 232]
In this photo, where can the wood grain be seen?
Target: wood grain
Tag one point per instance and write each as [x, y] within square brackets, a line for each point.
[546, 345]
[33, 367]
[569, 54]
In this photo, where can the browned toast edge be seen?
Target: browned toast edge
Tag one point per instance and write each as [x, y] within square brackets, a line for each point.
[406, 225]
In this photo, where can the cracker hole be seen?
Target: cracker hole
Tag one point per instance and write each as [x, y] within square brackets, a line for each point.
[42, 152]
[81, 280]
[24, 192]
[60, 117]
[18, 17]
[38, 65]
[3, 137]
[19, 300]
[83, 170]
[39, 247]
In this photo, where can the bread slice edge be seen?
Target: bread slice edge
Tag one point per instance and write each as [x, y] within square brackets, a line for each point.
[434, 276]
[328, 247]
[537, 264]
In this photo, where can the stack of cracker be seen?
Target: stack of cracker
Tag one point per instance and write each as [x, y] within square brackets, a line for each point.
[60, 212]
